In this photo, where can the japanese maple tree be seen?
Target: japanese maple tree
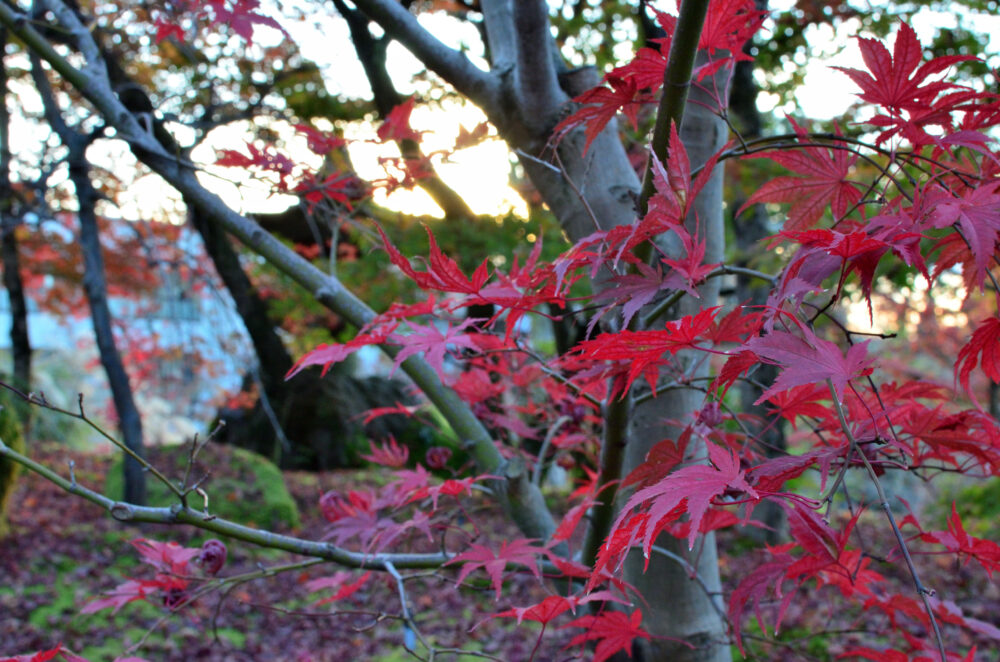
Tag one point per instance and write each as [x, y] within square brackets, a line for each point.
[642, 408]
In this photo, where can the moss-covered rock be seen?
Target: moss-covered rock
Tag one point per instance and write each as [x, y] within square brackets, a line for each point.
[242, 486]
[13, 436]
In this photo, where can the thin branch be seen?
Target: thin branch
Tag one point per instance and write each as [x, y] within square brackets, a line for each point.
[126, 512]
[536, 476]
[537, 87]
[663, 306]
[922, 591]
[676, 81]
[482, 88]
[676, 84]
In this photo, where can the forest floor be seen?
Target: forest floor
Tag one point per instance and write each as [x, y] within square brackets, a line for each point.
[65, 552]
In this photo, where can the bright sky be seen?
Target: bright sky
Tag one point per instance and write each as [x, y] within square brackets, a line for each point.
[480, 173]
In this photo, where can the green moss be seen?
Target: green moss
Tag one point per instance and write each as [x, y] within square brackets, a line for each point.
[12, 435]
[55, 612]
[235, 638]
[241, 486]
[978, 504]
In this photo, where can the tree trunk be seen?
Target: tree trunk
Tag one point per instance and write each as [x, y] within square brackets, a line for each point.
[275, 362]
[20, 345]
[692, 613]
[586, 192]
[95, 288]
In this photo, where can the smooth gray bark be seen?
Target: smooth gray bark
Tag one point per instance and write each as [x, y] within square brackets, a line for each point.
[689, 614]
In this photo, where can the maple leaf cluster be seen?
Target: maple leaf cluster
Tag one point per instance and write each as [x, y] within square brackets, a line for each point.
[843, 222]
[712, 476]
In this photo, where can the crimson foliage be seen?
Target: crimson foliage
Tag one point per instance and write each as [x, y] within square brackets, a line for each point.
[925, 201]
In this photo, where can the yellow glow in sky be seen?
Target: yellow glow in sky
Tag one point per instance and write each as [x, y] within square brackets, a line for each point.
[479, 174]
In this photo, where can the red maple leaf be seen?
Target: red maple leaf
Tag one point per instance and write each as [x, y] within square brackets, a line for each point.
[542, 612]
[397, 124]
[571, 520]
[675, 191]
[612, 630]
[739, 323]
[520, 551]
[897, 84]
[985, 341]
[801, 401]
[808, 360]
[320, 142]
[633, 290]
[468, 138]
[389, 454]
[600, 105]
[643, 350]
[697, 485]
[690, 270]
[958, 541]
[660, 460]
[450, 487]
[977, 213]
[166, 29]
[399, 409]
[770, 476]
[857, 251]
[754, 588]
[734, 366]
[121, 595]
[168, 557]
[434, 344]
[266, 159]
[240, 16]
[825, 184]
[339, 582]
[46, 655]
[443, 273]
[728, 25]
[883, 655]
[895, 81]
[327, 355]
[339, 187]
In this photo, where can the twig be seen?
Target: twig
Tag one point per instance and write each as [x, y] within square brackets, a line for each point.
[40, 401]
[536, 476]
[178, 514]
[722, 270]
[409, 623]
[922, 591]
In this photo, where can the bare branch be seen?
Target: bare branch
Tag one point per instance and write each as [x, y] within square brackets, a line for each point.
[538, 93]
[498, 16]
[480, 87]
[126, 512]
